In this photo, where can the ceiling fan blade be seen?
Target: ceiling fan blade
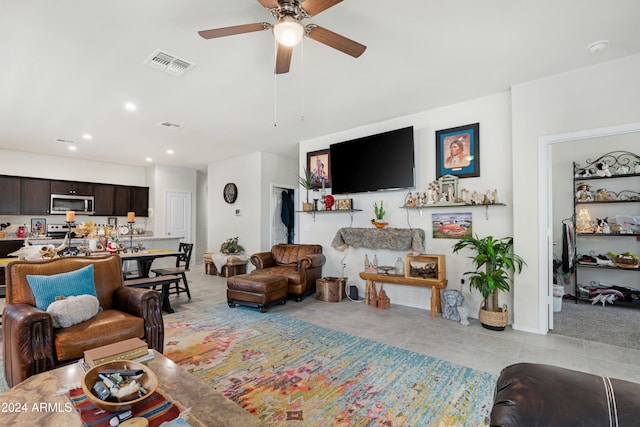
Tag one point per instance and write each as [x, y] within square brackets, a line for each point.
[283, 59]
[236, 29]
[269, 4]
[335, 40]
[314, 7]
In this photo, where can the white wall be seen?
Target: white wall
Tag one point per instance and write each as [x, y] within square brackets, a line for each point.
[253, 174]
[168, 178]
[493, 114]
[598, 96]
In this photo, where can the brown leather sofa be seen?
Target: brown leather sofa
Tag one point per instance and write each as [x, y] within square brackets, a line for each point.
[301, 264]
[31, 344]
[530, 394]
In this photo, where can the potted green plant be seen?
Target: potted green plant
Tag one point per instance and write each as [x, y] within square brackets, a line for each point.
[379, 212]
[494, 261]
[231, 246]
[306, 181]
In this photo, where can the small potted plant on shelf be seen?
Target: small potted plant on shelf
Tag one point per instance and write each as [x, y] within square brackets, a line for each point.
[379, 212]
[306, 181]
[494, 261]
[231, 246]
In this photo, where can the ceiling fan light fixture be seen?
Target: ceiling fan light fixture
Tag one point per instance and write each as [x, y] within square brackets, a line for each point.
[288, 31]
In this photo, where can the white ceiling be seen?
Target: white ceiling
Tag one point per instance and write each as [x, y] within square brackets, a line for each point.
[68, 66]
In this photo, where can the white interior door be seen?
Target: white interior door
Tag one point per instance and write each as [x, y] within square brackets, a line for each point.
[178, 214]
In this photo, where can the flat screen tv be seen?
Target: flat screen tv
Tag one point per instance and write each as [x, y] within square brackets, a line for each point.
[373, 163]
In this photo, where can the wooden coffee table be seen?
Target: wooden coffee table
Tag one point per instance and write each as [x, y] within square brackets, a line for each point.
[38, 402]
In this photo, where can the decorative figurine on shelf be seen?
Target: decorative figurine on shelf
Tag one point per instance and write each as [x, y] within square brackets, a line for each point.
[583, 193]
[622, 170]
[464, 196]
[410, 201]
[602, 169]
[475, 198]
[422, 199]
[494, 196]
[603, 226]
[328, 202]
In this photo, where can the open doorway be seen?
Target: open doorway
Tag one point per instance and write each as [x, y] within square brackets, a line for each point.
[556, 156]
[282, 218]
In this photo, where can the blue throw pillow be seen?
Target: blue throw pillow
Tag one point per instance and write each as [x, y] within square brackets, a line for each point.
[46, 288]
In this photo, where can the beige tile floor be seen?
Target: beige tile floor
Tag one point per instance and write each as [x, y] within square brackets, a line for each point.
[413, 329]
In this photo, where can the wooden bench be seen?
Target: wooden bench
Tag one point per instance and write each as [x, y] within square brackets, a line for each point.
[152, 282]
[434, 284]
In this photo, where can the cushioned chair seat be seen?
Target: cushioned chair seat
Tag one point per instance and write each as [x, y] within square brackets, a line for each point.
[107, 327]
[301, 264]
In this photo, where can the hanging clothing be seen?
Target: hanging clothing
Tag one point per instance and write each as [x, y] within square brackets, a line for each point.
[568, 246]
[287, 214]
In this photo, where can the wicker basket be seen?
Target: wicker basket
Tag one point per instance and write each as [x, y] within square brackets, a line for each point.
[494, 320]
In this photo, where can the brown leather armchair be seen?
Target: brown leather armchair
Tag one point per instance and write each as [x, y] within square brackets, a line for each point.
[301, 264]
[30, 343]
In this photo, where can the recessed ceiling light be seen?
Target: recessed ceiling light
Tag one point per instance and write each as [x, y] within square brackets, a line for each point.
[170, 151]
[130, 106]
[72, 148]
[598, 46]
[87, 136]
[148, 159]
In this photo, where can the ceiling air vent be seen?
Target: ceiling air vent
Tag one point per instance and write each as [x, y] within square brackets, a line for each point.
[170, 125]
[168, 63]
[65, 141]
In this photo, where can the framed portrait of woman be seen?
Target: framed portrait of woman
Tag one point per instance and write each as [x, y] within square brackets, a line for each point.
[458, 151]
[318, 164]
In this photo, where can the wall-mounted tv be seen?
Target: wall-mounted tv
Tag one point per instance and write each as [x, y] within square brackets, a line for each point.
[373, 163]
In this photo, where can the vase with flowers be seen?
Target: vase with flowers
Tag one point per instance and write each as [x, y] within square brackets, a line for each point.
[379, 212]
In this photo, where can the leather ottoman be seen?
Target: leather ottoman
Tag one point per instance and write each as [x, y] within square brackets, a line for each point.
[529, 394]
[257, 290]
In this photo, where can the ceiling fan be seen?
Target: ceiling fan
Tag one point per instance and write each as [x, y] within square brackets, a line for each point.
[288, 30]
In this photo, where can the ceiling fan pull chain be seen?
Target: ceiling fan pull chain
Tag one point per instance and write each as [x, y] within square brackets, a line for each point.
[302, 80]
[275, 94]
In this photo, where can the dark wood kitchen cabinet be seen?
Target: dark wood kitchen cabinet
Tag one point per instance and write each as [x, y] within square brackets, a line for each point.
[122, 200]
[103, 199]
[72, 187]
[131, 199]
[10, 195]
[140, 201]
[35, 196]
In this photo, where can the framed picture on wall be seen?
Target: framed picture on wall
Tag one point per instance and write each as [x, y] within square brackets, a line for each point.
[458, 151]
[318, 165]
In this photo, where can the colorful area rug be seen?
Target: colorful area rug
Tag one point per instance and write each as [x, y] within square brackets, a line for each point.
[292, 373]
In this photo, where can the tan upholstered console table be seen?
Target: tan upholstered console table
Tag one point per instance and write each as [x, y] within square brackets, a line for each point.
[435, 286]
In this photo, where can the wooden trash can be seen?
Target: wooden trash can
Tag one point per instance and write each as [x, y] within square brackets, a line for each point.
[331, 289]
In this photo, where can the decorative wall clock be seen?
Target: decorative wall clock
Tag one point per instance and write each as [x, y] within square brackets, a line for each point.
[230, 193]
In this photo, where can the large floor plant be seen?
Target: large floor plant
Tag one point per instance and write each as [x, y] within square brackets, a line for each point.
[494, 261]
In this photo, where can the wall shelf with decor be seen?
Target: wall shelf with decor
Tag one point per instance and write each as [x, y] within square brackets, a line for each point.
[314, 212]
[614, 218]
[453, 205]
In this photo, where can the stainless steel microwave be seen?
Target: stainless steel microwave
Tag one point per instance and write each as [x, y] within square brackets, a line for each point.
[61, 203]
